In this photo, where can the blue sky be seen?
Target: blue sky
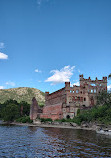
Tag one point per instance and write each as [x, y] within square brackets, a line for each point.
[44, 43]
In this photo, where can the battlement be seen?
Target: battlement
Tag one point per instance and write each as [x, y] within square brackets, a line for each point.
[81, 77]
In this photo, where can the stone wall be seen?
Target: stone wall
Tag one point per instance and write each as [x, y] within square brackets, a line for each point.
[66, 101]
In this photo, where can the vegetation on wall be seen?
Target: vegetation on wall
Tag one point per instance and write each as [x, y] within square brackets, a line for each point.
[100, 113]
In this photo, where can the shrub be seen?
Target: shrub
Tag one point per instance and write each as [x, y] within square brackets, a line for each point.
[46, 120]
[78, 111]
[25, 119]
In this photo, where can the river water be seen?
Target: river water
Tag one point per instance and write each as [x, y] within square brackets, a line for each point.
[37, 142]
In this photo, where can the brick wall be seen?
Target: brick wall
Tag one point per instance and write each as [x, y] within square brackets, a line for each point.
[52, 111]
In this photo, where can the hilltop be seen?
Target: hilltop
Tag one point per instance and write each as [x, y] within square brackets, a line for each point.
[22, 94]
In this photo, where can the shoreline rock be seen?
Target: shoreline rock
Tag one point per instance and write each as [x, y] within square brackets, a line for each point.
[70, 125]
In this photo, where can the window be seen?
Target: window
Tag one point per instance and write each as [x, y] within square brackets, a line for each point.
[77, 91]
[91, 90]
[94, 90]
[73, 91]
[84, 99]
[92, 84]
[70, 91]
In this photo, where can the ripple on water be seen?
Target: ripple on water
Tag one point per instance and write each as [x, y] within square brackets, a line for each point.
[19, 141]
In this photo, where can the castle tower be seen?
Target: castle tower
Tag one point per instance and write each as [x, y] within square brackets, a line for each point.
[34, 109]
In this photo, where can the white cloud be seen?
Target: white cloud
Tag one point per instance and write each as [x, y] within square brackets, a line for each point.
[79, 71]
[1, 87]
[75, 84]
[61, 76]
[37, 70]
[10, 83]
[1, 45]
[3, 56]
[109, 87]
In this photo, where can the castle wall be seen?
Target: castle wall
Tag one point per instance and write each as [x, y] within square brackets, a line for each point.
[55, 98]
[52, 111]
[66, 101]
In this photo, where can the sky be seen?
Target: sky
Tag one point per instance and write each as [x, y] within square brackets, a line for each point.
[44, 43]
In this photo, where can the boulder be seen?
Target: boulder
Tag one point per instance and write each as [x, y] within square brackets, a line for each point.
[37, 122]
[73, 124]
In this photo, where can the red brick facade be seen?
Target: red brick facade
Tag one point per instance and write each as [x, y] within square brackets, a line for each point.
[52, 111]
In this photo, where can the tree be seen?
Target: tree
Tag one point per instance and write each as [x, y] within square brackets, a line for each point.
[104, 98]
[25, 108]
[10, 112]
[109, 77]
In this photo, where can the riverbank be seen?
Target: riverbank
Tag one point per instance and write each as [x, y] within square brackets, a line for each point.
[93, 127]
[85, 126]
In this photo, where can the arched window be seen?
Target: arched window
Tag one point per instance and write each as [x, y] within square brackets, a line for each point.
[84, 99]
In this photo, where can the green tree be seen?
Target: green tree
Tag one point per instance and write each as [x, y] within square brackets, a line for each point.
[103, 98]
[10, 101]
[25, 108]
[10, 112]
[109, 77]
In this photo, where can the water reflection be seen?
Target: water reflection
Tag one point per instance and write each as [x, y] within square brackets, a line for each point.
[23, 141]
[80, 142]
[32, 128]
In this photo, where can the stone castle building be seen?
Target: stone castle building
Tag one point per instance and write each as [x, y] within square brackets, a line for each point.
[65, 102]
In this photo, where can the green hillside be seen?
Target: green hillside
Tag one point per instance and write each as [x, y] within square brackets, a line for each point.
[22, 94]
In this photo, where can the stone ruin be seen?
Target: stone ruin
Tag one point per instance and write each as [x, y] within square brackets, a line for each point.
[35, 110]
[65, 102]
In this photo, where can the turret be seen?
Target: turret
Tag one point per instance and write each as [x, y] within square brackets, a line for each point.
[105, 79]
[81, 79]
[81, 76]
[67, 84]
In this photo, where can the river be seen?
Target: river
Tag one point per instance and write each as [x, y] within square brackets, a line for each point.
[37, 142]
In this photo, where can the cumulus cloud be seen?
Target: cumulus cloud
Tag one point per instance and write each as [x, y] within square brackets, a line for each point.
[1, 87]
[3, 56]
[10, 83]
[37, 70]
[109, 88]
[61, 76]
[76, 84]
[1, 45]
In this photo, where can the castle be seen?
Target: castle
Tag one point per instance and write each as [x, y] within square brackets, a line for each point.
[65, 102]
